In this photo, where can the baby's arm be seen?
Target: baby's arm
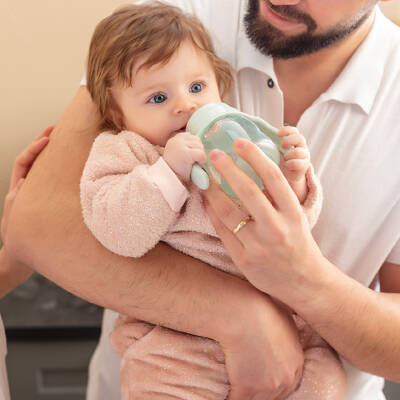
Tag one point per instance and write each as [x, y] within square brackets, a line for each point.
[129, 195]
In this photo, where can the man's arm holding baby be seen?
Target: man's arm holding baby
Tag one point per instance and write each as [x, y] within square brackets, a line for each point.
[46, 232]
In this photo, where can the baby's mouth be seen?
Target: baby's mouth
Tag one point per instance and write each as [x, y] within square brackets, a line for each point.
[183, 129]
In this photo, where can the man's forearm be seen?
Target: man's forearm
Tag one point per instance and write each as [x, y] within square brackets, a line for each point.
[47, 233]
[361, 324]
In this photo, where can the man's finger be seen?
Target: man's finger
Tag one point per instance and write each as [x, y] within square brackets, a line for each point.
[8, 202]
[46, 133]
[272, 177]
[12, 194]
[25, 160]
[224, 222]
[250, 195]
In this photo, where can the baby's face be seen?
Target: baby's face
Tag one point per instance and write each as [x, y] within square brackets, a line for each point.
[163, 97]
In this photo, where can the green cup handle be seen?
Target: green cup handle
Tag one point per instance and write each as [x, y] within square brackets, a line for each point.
[199, 177]
[268, 130]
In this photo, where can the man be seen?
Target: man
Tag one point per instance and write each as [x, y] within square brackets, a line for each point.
[333, 74]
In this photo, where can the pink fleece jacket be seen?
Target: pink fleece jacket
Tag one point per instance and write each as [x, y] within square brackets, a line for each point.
[131, 200]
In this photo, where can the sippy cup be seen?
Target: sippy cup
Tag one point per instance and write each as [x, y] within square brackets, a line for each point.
[218, 126]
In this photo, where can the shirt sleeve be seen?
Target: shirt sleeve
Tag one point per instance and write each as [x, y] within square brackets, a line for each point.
[122, 198]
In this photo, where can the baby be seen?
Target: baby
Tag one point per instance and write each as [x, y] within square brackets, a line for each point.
[149, 68]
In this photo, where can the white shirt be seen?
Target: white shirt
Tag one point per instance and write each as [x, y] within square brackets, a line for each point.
[353, 133]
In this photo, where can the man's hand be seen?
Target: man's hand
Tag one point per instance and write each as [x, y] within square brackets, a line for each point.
[22, 165]
[275, 249]
[12, 272]
[182, 151]
[264, 359]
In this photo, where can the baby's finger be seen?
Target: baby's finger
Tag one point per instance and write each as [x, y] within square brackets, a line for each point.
[190, 140]
[297, 165]
[295, 140]
[195, 143]
[198, 156]
[184, 136]
[296, 153]
[187, 135]
[287, 130]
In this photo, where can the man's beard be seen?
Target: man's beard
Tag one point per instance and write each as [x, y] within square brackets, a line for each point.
[272, 42]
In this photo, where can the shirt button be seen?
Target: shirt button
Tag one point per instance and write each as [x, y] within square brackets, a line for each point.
[271, 83]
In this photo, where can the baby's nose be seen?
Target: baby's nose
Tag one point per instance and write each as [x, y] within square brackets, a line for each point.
[185, 106]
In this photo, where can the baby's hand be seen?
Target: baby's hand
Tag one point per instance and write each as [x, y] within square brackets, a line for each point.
[182, 151]
[296, 160]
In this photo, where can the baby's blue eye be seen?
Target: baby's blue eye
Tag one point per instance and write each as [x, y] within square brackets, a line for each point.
[196, 88]
[158, 98]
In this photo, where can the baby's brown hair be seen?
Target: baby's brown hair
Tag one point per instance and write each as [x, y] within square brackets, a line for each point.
[154, 31]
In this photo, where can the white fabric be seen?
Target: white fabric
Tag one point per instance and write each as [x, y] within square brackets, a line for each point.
[4, 390]
[104, 366]
[174, 192]
[353, 133]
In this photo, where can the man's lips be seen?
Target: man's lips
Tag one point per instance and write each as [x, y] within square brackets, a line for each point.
[277, 20]
[276, 15]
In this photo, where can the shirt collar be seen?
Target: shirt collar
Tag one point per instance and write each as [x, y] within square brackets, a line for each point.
[247, 56]
[359, 81]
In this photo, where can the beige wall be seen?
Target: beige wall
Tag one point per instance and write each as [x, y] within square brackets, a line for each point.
[392, 10]
[43, 47]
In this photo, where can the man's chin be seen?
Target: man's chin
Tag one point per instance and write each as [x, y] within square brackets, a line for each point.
[281, 43]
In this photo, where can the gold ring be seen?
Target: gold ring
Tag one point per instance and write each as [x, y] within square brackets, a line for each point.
[241, 224]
